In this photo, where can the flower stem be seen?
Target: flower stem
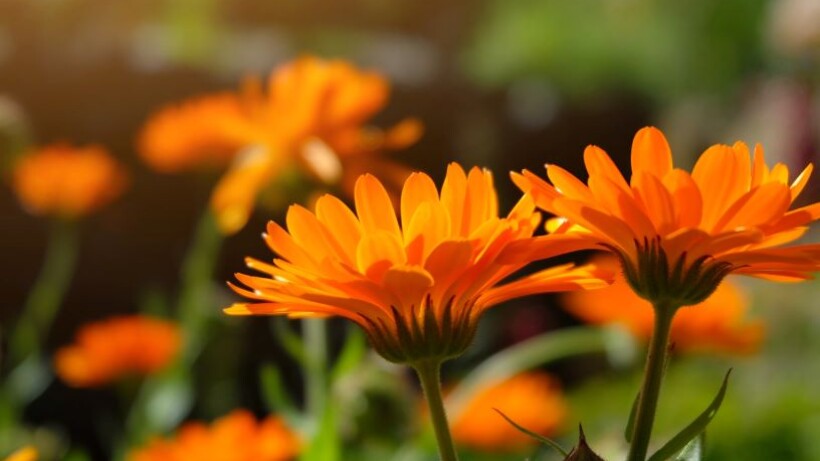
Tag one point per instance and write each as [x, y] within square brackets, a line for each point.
[429, 373]
[48, 291]
[195, 300]
[315, 341]
[651, 387]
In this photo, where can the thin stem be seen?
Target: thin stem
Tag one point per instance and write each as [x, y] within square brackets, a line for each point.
[651, 387]
[48, 291]
[429, 373]
[315, 346]
[195, 302]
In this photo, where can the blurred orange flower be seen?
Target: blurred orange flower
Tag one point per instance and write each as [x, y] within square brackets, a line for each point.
[417, 285]
[65, 181]
[532, 399]
[235, 437]
[110, 349]
[24, 454]
[678, 234]
[311, 116]
[717, 324]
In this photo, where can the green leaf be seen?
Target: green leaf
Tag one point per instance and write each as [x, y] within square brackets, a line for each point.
[288, 339]
[325, 443]
[694, 429]
[630, 423]
[538, 437]
[536, 351]
[353, 350]
[693, 451]
[274, 393]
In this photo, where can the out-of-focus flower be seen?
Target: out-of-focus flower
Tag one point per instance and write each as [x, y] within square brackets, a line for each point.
[311, 116]
[716, 324]
[235, 437]
[417, 285]
[678, 234]
[65, 181]
[24, 454]
[110, 349]
[532, 400]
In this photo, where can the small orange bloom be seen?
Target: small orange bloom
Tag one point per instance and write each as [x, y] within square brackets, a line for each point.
[417, 285]
[235, 437]
[24, 454]
[61, 180]
[716, 324]
[312, 116]
[678, 234]
[532, 400]
[110, 349]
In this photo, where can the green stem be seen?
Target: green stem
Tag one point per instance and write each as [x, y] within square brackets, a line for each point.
[651, 387]
[429, 373]
[48, 291]
[315, 346]
[195, 302]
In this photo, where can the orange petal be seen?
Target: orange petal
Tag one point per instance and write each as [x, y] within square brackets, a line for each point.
[374, 207]
[651, 153]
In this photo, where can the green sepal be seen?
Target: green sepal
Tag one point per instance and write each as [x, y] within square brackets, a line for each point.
[545, 440]
[680, 441]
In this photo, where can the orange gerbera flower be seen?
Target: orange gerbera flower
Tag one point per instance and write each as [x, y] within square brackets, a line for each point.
[235, 437]
[61, 180]
[312, 115]
[416, 285]
[531, 399]
[24, 454]
[110, 349]
[716, 324]
[678, 234]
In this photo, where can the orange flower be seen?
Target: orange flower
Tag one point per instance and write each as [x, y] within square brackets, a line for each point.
[110, 349]
[27, 453]
[235, 437]
[531, 399]
[65, 181]
[417, 288]
[716, 324]
[678, 234]
[311, 116]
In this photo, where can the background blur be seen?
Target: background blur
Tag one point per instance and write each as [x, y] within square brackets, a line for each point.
[505, 84]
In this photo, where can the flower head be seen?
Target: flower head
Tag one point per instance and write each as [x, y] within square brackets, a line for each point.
[27, 453]
[65, 181]
[678, 233]
[110, 349]
[531, 399]
[416, 284]
[716, 324]
[310, 116]
[235, 437]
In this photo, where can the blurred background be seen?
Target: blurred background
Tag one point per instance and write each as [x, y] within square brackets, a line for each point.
[504, 84]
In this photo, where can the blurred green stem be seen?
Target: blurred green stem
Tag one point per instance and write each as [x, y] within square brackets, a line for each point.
[315, 346]
[651, 387]
[429, 373]
[48, 291]
[198, 267]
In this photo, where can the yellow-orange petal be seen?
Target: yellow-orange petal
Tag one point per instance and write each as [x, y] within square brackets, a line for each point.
[651, 153]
